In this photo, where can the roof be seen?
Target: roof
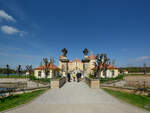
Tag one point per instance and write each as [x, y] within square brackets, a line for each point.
[109, 67]
[61, 56]
[76, 60]
[52, 67]
[92, 57]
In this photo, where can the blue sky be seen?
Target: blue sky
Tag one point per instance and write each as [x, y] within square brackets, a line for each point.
[33, 29]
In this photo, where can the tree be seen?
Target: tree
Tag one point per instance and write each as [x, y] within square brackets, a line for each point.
[113, 62]
[47, 65]
[7, 70]
[29, 69]
[101, 64]
[19, 70]
[144, 68]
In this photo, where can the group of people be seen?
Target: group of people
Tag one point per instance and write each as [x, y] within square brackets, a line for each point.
[74, 76]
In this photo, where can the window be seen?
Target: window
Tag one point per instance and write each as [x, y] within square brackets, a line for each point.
[39, 73]
[113, 73]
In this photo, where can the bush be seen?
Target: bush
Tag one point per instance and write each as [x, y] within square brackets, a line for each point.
[39, 79]
[92, 77]
[119, 77]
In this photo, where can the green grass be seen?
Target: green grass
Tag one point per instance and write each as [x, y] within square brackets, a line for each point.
[139, 101]
[13, 101]
[119, 77]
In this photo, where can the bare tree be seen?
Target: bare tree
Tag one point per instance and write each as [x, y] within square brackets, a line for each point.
[144, 68]
[29, 69]
[47, 65]
[105, 64]
[101, 64]
[113, 62]
[7, 70]
[19, 70]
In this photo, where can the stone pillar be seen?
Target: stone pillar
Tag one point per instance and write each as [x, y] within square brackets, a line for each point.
[85, 61]
[63, 60]
[64, 64]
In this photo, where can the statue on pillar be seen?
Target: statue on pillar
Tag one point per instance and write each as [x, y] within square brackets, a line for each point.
[63, 64]
[64, 51]
[85, 52]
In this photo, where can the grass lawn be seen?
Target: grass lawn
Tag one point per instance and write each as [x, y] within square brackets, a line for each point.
[140, 101]
[13, 101]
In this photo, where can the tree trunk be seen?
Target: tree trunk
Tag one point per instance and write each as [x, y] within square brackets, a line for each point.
[98, 74]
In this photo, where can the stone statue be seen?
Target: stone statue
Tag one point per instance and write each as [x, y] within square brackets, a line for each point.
[85, 51]
[64, 51]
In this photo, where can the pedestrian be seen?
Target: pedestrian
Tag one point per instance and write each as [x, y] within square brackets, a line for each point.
[78, 77]
[68, 76]
[74, 77]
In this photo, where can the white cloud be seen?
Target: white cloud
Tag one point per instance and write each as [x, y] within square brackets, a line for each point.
[11, 30]
[142, 58]
[4, 15]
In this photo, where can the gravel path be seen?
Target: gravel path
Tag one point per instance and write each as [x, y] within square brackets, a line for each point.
[77, 98]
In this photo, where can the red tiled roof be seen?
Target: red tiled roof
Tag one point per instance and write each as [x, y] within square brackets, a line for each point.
[61, 56]
[109, 67]
[76, 60]
[92, 57]
[52, 66]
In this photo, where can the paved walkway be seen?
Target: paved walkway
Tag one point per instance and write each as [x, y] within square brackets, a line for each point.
[77, 98]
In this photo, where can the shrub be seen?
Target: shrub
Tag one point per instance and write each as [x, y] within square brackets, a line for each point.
[119, 77]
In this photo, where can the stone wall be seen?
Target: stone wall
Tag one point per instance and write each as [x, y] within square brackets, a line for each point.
[57, 83]
[92, 83]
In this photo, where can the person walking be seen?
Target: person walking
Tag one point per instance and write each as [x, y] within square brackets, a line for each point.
[68, 76]
[78, 77]
[74, 77]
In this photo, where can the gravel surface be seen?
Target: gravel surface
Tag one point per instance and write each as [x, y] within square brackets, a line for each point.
[77, 98]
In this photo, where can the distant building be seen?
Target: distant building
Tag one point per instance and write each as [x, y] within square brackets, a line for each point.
[125, 71]
[112, 71]
[77, 66]
[53, 71]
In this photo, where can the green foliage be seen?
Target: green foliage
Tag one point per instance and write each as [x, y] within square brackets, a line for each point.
[119, 77]
[13, 101]
[92, 77]
[39, 79]
[140, 101]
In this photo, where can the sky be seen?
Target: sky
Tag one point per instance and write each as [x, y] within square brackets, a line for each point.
[33, 29]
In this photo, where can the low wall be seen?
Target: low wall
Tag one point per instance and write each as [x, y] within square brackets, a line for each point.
[92, 83]
[6, 93]
[57, 83]
[137, 81]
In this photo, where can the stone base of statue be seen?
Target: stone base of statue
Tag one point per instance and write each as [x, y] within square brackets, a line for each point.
[63, 64]
[85, 61]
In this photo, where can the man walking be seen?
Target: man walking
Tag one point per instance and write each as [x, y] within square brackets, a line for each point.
[68, 76]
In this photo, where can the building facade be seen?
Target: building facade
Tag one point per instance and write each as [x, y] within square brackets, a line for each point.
[40, 73]
[77, 66]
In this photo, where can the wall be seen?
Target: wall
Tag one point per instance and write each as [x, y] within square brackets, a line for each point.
[43, 74]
